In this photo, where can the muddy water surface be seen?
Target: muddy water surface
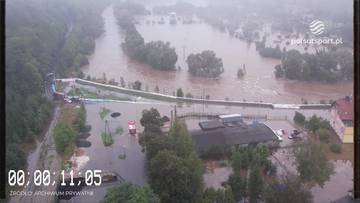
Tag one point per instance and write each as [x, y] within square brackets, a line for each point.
[258, 84]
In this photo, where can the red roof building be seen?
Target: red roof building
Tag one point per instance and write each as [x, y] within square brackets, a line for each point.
[345, 108]
[341, 119]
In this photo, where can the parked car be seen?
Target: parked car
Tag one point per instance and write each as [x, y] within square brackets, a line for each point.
[295, 135]
[280, 134]
[67, 100]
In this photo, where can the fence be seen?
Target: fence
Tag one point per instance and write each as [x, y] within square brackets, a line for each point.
[169, 98]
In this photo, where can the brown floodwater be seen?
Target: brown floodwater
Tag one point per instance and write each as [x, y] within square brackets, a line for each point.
[259, 83]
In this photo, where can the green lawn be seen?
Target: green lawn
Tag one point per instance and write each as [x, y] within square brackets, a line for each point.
[107, 139]
[119, 130]
[104, 112]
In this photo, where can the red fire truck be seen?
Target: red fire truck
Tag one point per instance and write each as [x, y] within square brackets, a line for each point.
[132, 127]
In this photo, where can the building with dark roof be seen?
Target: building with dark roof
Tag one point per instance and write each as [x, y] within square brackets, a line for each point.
[240, 135]
[211, 125]
[341, 119]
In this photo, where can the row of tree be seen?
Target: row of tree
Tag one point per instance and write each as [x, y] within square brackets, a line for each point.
[325, 66]
[66, 133]
[42, 36]
[157, 54]
[315, 167]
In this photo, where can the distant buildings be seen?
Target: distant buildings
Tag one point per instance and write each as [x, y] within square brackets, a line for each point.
[230, 130]
[341, 119]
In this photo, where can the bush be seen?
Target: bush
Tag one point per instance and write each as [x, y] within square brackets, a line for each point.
[336, 148]
[279, 71]
[80, 120]
[179, 93]
[299, 118]
[242, 158]
[315, 123]
[107, 139]
[323, 134]
[137, 85]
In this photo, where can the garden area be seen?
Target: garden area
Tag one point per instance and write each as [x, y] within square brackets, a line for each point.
[320, 132]
[71, 123]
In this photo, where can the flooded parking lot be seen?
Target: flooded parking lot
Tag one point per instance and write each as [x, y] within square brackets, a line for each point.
[132, 167]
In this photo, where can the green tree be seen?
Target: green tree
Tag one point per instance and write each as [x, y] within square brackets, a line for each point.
[157, 90]
[156, 143]
[238, 186]
[151, 120]
[170, 178]
[293, 64]
[325, 66]
[80, 119]
[181, 139]
[209, 195]
[137, 85]
[205, 64]
[315, 123]
[244, 158]
[122, 82]
[236, 159]
[279, 71]
[129, 193]
[260, 155]
[255, 184]
[289, 189]
[179, 93]
[312, 163]
[225, 196]
[324, 134]
[159, 55]
[299, 118]
[64, 135]
[15, 157]
[38, 45]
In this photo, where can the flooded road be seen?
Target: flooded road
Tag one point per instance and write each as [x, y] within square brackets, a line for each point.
[259, 84]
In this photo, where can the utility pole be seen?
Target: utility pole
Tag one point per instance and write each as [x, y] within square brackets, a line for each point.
[184, 47]
[175, 113]
[203, 97]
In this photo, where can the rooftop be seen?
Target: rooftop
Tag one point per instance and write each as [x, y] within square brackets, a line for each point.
[245, 134]
[231, 119]
[345, 108]
[211, 125]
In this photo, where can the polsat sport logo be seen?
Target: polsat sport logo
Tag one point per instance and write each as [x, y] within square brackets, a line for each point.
[317, 27]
